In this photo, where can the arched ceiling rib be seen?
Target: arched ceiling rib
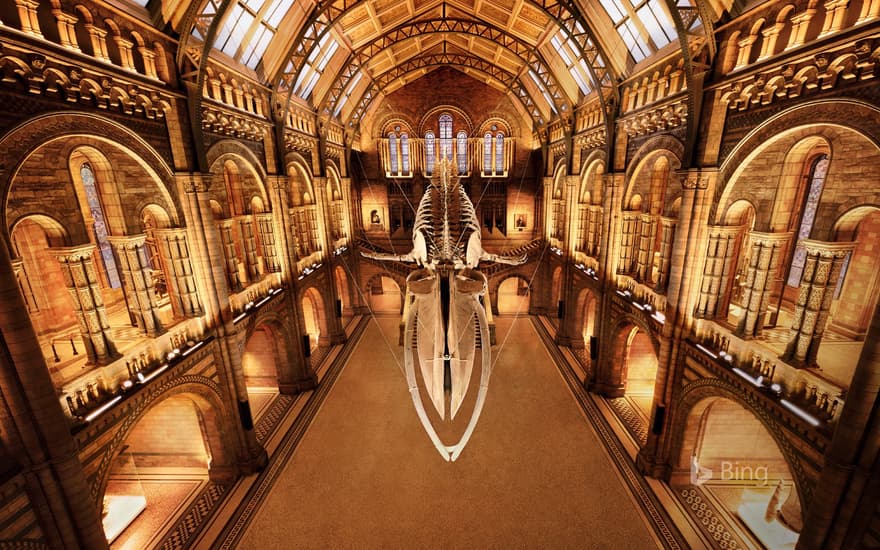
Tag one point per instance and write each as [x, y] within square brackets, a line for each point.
[468, 35]
[529, 34]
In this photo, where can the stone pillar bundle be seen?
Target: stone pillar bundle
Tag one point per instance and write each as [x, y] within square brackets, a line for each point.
[667, 237]
[137, 282]
[763, 261]
[717, 271]
[645, 256]
[224, 227]
[249, 247]
[816, 292]
[81, 279]
[266, 231]
[183, 285]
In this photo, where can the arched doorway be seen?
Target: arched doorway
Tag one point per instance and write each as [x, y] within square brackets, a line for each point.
[313, 318]
[640, 370]
[165, 462]
[730, 463]
[385, 296]
[513, 296]
[630, 376]
[260, 362]
[343, 294]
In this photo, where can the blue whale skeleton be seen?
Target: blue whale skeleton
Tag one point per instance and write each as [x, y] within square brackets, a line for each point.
[446, 312]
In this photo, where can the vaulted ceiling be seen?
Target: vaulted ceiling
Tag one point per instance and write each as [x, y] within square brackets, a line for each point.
[341, 56]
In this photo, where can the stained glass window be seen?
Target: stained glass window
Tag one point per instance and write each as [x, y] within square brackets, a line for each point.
[445, 136]
[404, 152]
[817, 182]
[100, 225]
[487, 153]
[392, 152]
[461, 152]
[429, 153]
[499, 153]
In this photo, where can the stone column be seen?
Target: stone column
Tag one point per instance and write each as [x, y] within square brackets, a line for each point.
[249, 247]
[717, 271]
[267, 242]
[667, 238]
[23, 285]
[209, 253]
[686, 261]
[815, 294]
[27, 14]
[602, 380]
[36, 431]
[183, 285]
[137, 283]
[764, 259]
[296, 375]
[334, 324]
[569, 334]
[81, 280]
[224, 227]
[843, 500]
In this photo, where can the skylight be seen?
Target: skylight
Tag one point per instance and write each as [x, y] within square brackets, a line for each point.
[643, 25]
[249, 28]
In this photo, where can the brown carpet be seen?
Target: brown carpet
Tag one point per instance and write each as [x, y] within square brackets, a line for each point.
[366, 475]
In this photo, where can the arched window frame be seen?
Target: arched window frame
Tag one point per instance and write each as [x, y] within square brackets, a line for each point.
[93, 199]
[398, 159]
[494, 159]
[429, 152]
[817, 174]
[445, 136]
[461, 152]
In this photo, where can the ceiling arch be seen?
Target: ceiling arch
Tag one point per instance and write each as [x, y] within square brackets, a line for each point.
[523, 59]
[559, 48]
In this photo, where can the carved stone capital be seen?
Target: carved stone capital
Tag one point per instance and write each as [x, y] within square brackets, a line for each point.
[70, 254]
[769, 239]
[127, 242]
[827, 249]
[194, 183]
[696, 179]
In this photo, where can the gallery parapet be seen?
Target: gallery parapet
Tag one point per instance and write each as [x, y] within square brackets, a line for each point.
[802, 393]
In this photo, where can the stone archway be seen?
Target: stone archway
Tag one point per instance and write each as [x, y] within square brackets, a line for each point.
[314, 318]
[726, 455]
[162, 460]
[385, 294]
[513, 296]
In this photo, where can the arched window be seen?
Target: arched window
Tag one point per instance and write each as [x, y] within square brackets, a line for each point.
[94, 202]
[493, 153]
[818, 170]
[445, 136]
[487, 153]
[499, 153]
[392, 152]
[404, 153]
[461, 152]
[429, 153]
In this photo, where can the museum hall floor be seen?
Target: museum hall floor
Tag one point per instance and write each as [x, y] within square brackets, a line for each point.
[365, 475]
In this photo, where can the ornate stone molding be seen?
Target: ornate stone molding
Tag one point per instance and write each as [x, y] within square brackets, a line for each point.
[76, 253]
[128, 242]
[827, 249]
[54, 77]
[853, 63]
[193, 182]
